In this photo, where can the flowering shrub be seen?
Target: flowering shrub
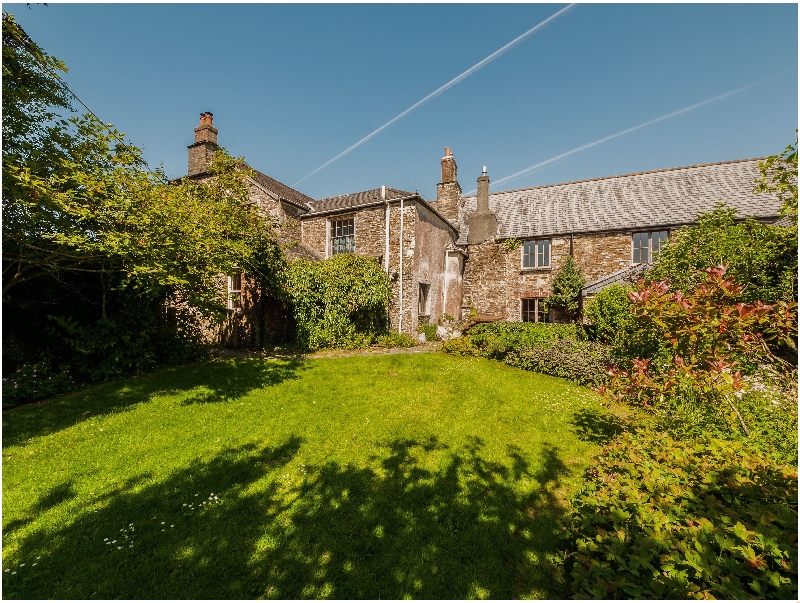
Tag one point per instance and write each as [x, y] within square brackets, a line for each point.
[660, 519]
[583, 362]
[712, 338]
[31, 382]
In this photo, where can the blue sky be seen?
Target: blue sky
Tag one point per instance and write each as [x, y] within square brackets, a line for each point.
[292, 86]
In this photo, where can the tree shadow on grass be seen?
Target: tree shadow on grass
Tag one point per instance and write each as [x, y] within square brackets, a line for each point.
[597, 427]
[422, 521]
[200, 384]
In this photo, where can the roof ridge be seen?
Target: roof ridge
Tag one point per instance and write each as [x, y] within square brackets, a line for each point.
[669, 169]
[369, 190]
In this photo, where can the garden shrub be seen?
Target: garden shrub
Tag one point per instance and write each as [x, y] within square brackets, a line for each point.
[395, 340]
[460, 346]
[714, 342]
[497, 339]
[338, 302]
[703, 518]
[32, 382]
[614, 323]
[430, 332]
[582, 362]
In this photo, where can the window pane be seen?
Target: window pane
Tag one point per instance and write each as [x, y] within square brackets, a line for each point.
[542, 313]
[543, 253]
[529, 254]
[342, 236]
[640, 247]
[528, 310]
[658, 240]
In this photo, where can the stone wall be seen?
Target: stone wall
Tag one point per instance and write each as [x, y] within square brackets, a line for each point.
[494, 280]
[599, 255]
[313, 233]
[432, 237]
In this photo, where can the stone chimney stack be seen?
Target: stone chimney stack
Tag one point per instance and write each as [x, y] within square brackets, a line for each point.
[448, 191]
[201, 153]
[483, 223]
[483, 192]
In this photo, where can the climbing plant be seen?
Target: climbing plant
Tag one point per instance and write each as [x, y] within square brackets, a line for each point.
[338, 302]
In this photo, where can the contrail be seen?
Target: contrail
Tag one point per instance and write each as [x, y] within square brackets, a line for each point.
[540, 165]
[438, 91]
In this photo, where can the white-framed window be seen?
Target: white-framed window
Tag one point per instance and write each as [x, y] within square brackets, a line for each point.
[647, 245]
[536, 254]
[234, 291]
[534, 310]
[424, 300]
[343, 238]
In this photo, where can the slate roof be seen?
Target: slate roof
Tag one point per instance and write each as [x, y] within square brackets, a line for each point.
[355, 200]
[668, 197]
[626, 276]
[280, 190]
[300, 250]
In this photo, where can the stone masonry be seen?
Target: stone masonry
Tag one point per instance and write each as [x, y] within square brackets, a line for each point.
[467, 252]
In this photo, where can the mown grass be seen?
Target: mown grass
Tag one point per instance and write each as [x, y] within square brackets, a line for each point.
[422, 476]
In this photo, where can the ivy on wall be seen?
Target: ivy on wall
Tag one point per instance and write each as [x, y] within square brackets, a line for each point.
[338, 302]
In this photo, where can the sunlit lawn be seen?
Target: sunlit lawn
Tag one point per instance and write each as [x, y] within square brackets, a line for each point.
[424, 476]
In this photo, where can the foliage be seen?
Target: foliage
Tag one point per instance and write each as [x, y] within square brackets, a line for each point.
[712, 338]
[760, 257]
[512, 244]
[94, 237]
[661, 519]
[338, 302]
[567, 285]
[461, 346]
[430, 331]
[583, 362]
[393, 339]
[495, 340]
[769, 413]
[31, 382]
[779, 176]
[390, 462]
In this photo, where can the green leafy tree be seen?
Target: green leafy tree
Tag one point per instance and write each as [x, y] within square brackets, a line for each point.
[78, 199]
[779, 176]
[567, 287]
[761, 257]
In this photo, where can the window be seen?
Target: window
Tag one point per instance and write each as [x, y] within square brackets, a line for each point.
[343, 236]
[235, 291]
[536, 254]
[647, 245]
[535, 310]
[424, 302]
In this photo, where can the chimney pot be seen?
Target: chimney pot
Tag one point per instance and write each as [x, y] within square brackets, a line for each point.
[447, 152]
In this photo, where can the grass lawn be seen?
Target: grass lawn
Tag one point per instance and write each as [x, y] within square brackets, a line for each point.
[395, 476]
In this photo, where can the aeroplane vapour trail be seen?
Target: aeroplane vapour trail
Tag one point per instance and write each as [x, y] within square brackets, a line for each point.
[541, 164]
[438, 91]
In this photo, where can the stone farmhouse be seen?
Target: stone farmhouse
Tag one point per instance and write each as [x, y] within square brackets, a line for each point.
[494, 254]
